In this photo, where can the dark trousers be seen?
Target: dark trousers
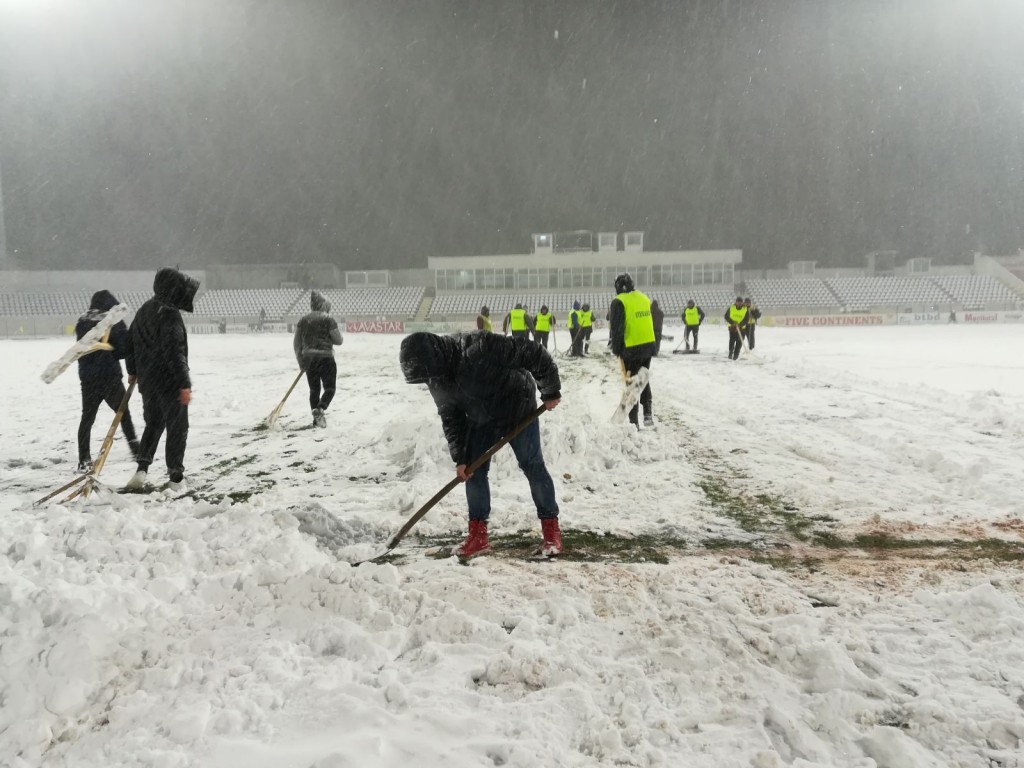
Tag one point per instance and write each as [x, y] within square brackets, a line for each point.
[691, 329]
[646, 399]
[735, 342]
[541, 337]
[576, 347]
[94, 392]
[321, 371]
[585, 332]
[526, 447]
[520, 334]
[750, 335]
[163, 410]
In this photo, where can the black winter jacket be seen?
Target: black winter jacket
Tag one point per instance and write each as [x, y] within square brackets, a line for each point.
[157, 340]
[658, 318]
[479, 378]
[317, 333]
[102, 365]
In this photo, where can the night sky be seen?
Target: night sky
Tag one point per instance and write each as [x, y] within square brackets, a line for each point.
[374, 134]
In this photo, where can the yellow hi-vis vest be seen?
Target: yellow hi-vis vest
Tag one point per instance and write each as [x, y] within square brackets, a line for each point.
[586, 319]
[542, 323]
[639, 323]
[517, 320]
[486, 323]
[737, 314]
[691, 316]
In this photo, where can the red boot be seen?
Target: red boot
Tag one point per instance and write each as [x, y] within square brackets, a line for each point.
[476, 543]
[552, 538]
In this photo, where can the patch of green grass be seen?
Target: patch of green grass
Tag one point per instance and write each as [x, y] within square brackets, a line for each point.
[580, 546]
[761, 513]
[224, 466]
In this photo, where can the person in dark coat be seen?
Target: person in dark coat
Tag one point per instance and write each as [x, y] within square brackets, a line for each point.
[753, 315]
[632, 337]
[157, 358]
[484, 385]
[316, 336]
[99, 374]
[658, 318]
[575, 332]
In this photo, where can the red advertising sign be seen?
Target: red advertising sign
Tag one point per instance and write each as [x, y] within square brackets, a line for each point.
[376, 326]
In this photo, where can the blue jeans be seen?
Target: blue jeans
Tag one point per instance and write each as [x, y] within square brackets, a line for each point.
[526, 446]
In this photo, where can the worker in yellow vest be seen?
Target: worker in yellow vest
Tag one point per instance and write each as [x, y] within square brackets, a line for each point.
[736, 317]
[483, 320]
[693, 316]
[632, 337]
[586, 328]
[515, 321]
[542, 326]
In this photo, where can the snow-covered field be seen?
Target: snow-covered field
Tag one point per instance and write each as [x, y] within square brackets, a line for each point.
[741, 628]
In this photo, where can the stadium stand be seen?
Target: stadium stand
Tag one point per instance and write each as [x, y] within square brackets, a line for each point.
[835, 294]
[247, 302]
[671, 301]
[62, 304]
[862, 293]
[396, 301]
[975, 291]
[712, 299]
[791, 293]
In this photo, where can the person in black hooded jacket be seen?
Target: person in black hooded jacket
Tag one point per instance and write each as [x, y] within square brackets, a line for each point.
[316, 336]
[157, 357]
[483, 386]
[99, 374]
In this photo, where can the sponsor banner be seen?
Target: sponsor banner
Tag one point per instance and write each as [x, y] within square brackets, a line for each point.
[978, 317]
[375, 326]
[919, 318]
[824, 321]
[1012, 316]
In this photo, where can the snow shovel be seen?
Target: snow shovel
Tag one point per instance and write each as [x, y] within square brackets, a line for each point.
[484, 458]
[634, 387]
[276, 413]
[108, 443]
[89, 478]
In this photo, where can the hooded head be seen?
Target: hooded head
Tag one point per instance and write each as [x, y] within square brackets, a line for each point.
[174, 288]
[103, 301]
[575, 305]
[424, 356]
[691, 304]
[585, 307]
[544, 309]
[739, 301]
[747, 301]
[654, 304]
[318, 303]
[624, 283]
[485, 311]
[519, 306]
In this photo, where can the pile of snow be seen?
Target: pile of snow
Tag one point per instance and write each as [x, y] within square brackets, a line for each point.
[232, 630]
